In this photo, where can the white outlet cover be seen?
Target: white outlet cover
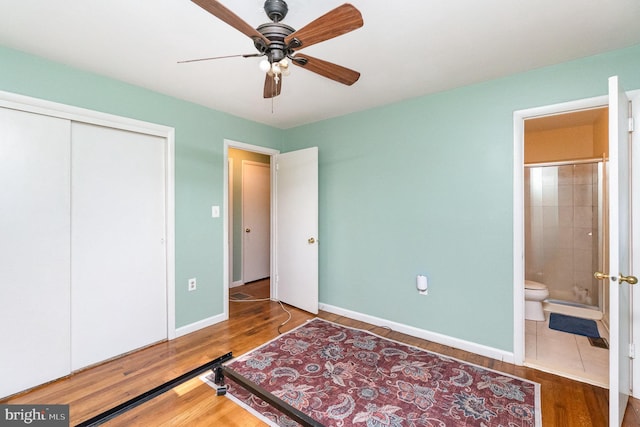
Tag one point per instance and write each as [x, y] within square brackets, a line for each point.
[192, 284]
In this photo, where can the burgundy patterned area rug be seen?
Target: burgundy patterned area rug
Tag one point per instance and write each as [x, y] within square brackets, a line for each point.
[345, 377]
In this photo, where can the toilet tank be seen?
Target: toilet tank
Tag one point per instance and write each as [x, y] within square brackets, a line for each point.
[530, 284]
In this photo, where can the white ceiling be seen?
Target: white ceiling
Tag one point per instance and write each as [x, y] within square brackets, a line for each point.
[406, 48]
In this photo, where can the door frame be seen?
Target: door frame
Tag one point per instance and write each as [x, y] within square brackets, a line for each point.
[79, 114]
[518, 207]
[518, 218]
[227, 211]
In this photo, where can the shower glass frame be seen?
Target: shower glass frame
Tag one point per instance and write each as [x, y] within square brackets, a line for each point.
[565, 229]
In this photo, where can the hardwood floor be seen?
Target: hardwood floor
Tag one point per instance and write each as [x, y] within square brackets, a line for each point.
[94, 390]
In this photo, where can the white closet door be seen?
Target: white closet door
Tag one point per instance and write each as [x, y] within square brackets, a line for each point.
[34, 249]
[118, 272]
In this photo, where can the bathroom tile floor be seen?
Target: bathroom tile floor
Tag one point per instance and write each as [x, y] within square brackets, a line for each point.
[566, 354]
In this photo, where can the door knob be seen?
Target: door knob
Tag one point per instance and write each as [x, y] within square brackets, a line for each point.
[600, 276]
[632, 280]
[247, 230]
[311, 240]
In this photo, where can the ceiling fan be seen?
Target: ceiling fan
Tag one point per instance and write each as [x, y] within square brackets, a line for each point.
[279, 43]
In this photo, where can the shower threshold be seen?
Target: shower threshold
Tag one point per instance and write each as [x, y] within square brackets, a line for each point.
[572, 309]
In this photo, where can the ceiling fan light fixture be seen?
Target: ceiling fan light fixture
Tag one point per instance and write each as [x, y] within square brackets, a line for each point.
[265, 65]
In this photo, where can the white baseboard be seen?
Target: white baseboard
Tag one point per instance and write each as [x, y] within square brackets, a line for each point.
[236, 284]
[184, 330]
[472, 347]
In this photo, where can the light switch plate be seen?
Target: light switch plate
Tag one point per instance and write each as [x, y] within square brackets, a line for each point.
[215, 211]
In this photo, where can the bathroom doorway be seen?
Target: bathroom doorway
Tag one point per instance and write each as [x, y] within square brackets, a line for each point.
[565, 206]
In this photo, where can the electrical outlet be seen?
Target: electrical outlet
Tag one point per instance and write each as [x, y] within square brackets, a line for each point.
[192, 284]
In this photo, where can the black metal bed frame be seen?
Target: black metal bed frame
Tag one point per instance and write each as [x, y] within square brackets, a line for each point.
[220, 372]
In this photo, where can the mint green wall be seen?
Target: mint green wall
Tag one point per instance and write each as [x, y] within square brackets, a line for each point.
[425, 186]
[199, 135]
[418, 187]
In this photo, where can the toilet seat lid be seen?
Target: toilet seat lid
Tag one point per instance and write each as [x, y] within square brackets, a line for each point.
[530, 284]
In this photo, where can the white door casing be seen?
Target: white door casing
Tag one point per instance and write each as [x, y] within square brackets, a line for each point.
[619, 252]
[297, 228]
[621, 312]
[256, 221]
[307, 265]
[34, 249]
[519, 118]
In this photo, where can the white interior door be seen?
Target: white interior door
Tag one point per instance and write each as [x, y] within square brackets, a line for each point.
[619, 252]
[34, 249]
[297, 228]
[118, 274]
[256, 221]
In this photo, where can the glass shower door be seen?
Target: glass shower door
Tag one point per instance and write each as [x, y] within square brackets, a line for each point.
[563, 233]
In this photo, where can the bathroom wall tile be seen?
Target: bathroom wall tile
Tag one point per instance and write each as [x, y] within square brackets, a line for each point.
[565, 216]
[565, 237]
[582, 291]
[582, 256]
[583, 216]
[583, 174]
[536, 219]
[583, 239]
[583, 195]
[565, 195]
[550, 175]
[550, 195]
[558, 271]
[550, 217]
[565, 175]
[550, 238]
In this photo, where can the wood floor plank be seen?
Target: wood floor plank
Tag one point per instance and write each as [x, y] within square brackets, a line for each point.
[251, 324]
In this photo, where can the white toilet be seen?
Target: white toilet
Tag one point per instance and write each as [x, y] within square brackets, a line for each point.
[534, 294]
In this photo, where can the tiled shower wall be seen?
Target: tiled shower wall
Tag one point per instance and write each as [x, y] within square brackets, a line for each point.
[562, 241]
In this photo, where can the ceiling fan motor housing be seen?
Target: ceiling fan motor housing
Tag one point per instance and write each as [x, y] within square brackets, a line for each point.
[276, 9]
[275, 32]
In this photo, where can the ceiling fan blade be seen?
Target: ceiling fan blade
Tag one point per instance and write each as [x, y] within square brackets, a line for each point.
[338, 21]
[221, 12]
[246, 55]
[271, 88]
[327, 69]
